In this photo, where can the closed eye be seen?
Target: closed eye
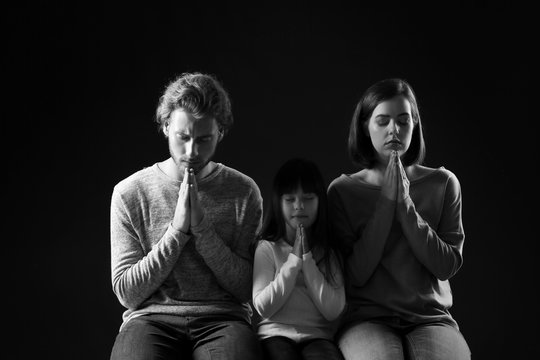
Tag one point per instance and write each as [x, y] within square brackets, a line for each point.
[204, 139]
[404, 119]
[183, 137]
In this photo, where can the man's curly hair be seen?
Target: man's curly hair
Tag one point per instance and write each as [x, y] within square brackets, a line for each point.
[198, 94]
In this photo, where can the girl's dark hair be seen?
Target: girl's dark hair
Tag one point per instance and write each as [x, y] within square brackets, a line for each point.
[360, 147]
[295, 173]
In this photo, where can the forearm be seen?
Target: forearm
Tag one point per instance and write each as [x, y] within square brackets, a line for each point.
[368, 249]
[269, 293]
[328, 297]
[232, 271]
[435, 251]
[135, 275]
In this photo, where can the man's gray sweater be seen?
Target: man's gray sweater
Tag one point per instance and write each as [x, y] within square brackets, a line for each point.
[157, 269]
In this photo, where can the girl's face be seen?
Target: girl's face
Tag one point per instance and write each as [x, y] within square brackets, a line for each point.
[299, 207]
[390, 127]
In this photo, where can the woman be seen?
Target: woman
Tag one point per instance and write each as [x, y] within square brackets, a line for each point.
[400, 228]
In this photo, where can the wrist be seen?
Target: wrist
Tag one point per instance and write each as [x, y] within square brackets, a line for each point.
[180, 228]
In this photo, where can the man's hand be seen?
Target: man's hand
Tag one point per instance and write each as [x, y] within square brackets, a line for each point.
[182, 216]
[197, 212]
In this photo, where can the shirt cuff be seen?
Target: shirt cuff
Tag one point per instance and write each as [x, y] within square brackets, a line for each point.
[201, 227]
[176, 234]
[294, 261]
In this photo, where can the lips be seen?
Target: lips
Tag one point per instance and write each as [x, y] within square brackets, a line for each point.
[394, 144]
[191, 163]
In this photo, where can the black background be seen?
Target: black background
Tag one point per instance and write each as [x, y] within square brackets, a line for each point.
[83, 82]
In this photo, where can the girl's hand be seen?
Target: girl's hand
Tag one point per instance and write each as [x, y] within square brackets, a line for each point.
[298, 247]
[403, 183]
[389, 188]
[305, 241]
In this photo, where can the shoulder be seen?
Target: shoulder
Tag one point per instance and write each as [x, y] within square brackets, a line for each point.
[266, 247]
[240, 178]
[136, 181]
[265, 244]
[341, 182]
[420, 172]
[236, 183]
[453, 186]
[348, 185]
[439, 176]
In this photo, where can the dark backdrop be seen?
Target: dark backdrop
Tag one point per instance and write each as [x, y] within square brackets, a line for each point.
[83, 82]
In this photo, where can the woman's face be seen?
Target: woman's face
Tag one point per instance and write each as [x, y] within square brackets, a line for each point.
[390, 127]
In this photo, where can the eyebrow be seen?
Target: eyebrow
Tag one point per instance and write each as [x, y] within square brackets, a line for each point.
[386, 115]
[200, 136]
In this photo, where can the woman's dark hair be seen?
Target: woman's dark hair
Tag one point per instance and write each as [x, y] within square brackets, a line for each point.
[361, 149]
[293, 174]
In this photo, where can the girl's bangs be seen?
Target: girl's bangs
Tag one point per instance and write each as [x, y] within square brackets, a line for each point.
[289, 184]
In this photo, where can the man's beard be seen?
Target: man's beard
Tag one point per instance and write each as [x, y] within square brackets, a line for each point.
[182, 163]
[197, 167]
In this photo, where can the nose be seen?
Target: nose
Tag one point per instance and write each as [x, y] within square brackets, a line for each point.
[191, 149]
[299, 204]
[394, 127]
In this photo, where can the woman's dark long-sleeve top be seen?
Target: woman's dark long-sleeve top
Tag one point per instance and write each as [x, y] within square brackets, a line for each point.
[399, 268]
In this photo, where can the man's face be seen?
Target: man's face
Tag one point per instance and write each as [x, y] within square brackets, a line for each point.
[192, 142]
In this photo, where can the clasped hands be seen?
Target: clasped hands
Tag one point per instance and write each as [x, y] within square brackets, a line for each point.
[189, 211]
[395, 185]
[301, 244]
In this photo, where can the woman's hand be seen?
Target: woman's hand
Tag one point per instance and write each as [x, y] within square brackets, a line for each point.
[403, 183]
[389, 187]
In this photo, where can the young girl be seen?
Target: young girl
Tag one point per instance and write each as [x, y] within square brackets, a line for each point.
[400, 226]
[297, 282]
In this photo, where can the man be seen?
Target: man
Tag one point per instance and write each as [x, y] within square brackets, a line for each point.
[180, 236]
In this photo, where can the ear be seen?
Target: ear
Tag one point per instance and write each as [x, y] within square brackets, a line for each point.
[220, 135]
[166, 129]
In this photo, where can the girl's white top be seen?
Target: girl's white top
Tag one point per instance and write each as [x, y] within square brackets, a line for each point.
[292, 295]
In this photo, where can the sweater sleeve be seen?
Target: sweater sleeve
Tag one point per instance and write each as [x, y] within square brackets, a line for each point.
[136, 275]
[328, 298]
[272, 288]
[362, 252]
[232, 268]
[440, 251]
